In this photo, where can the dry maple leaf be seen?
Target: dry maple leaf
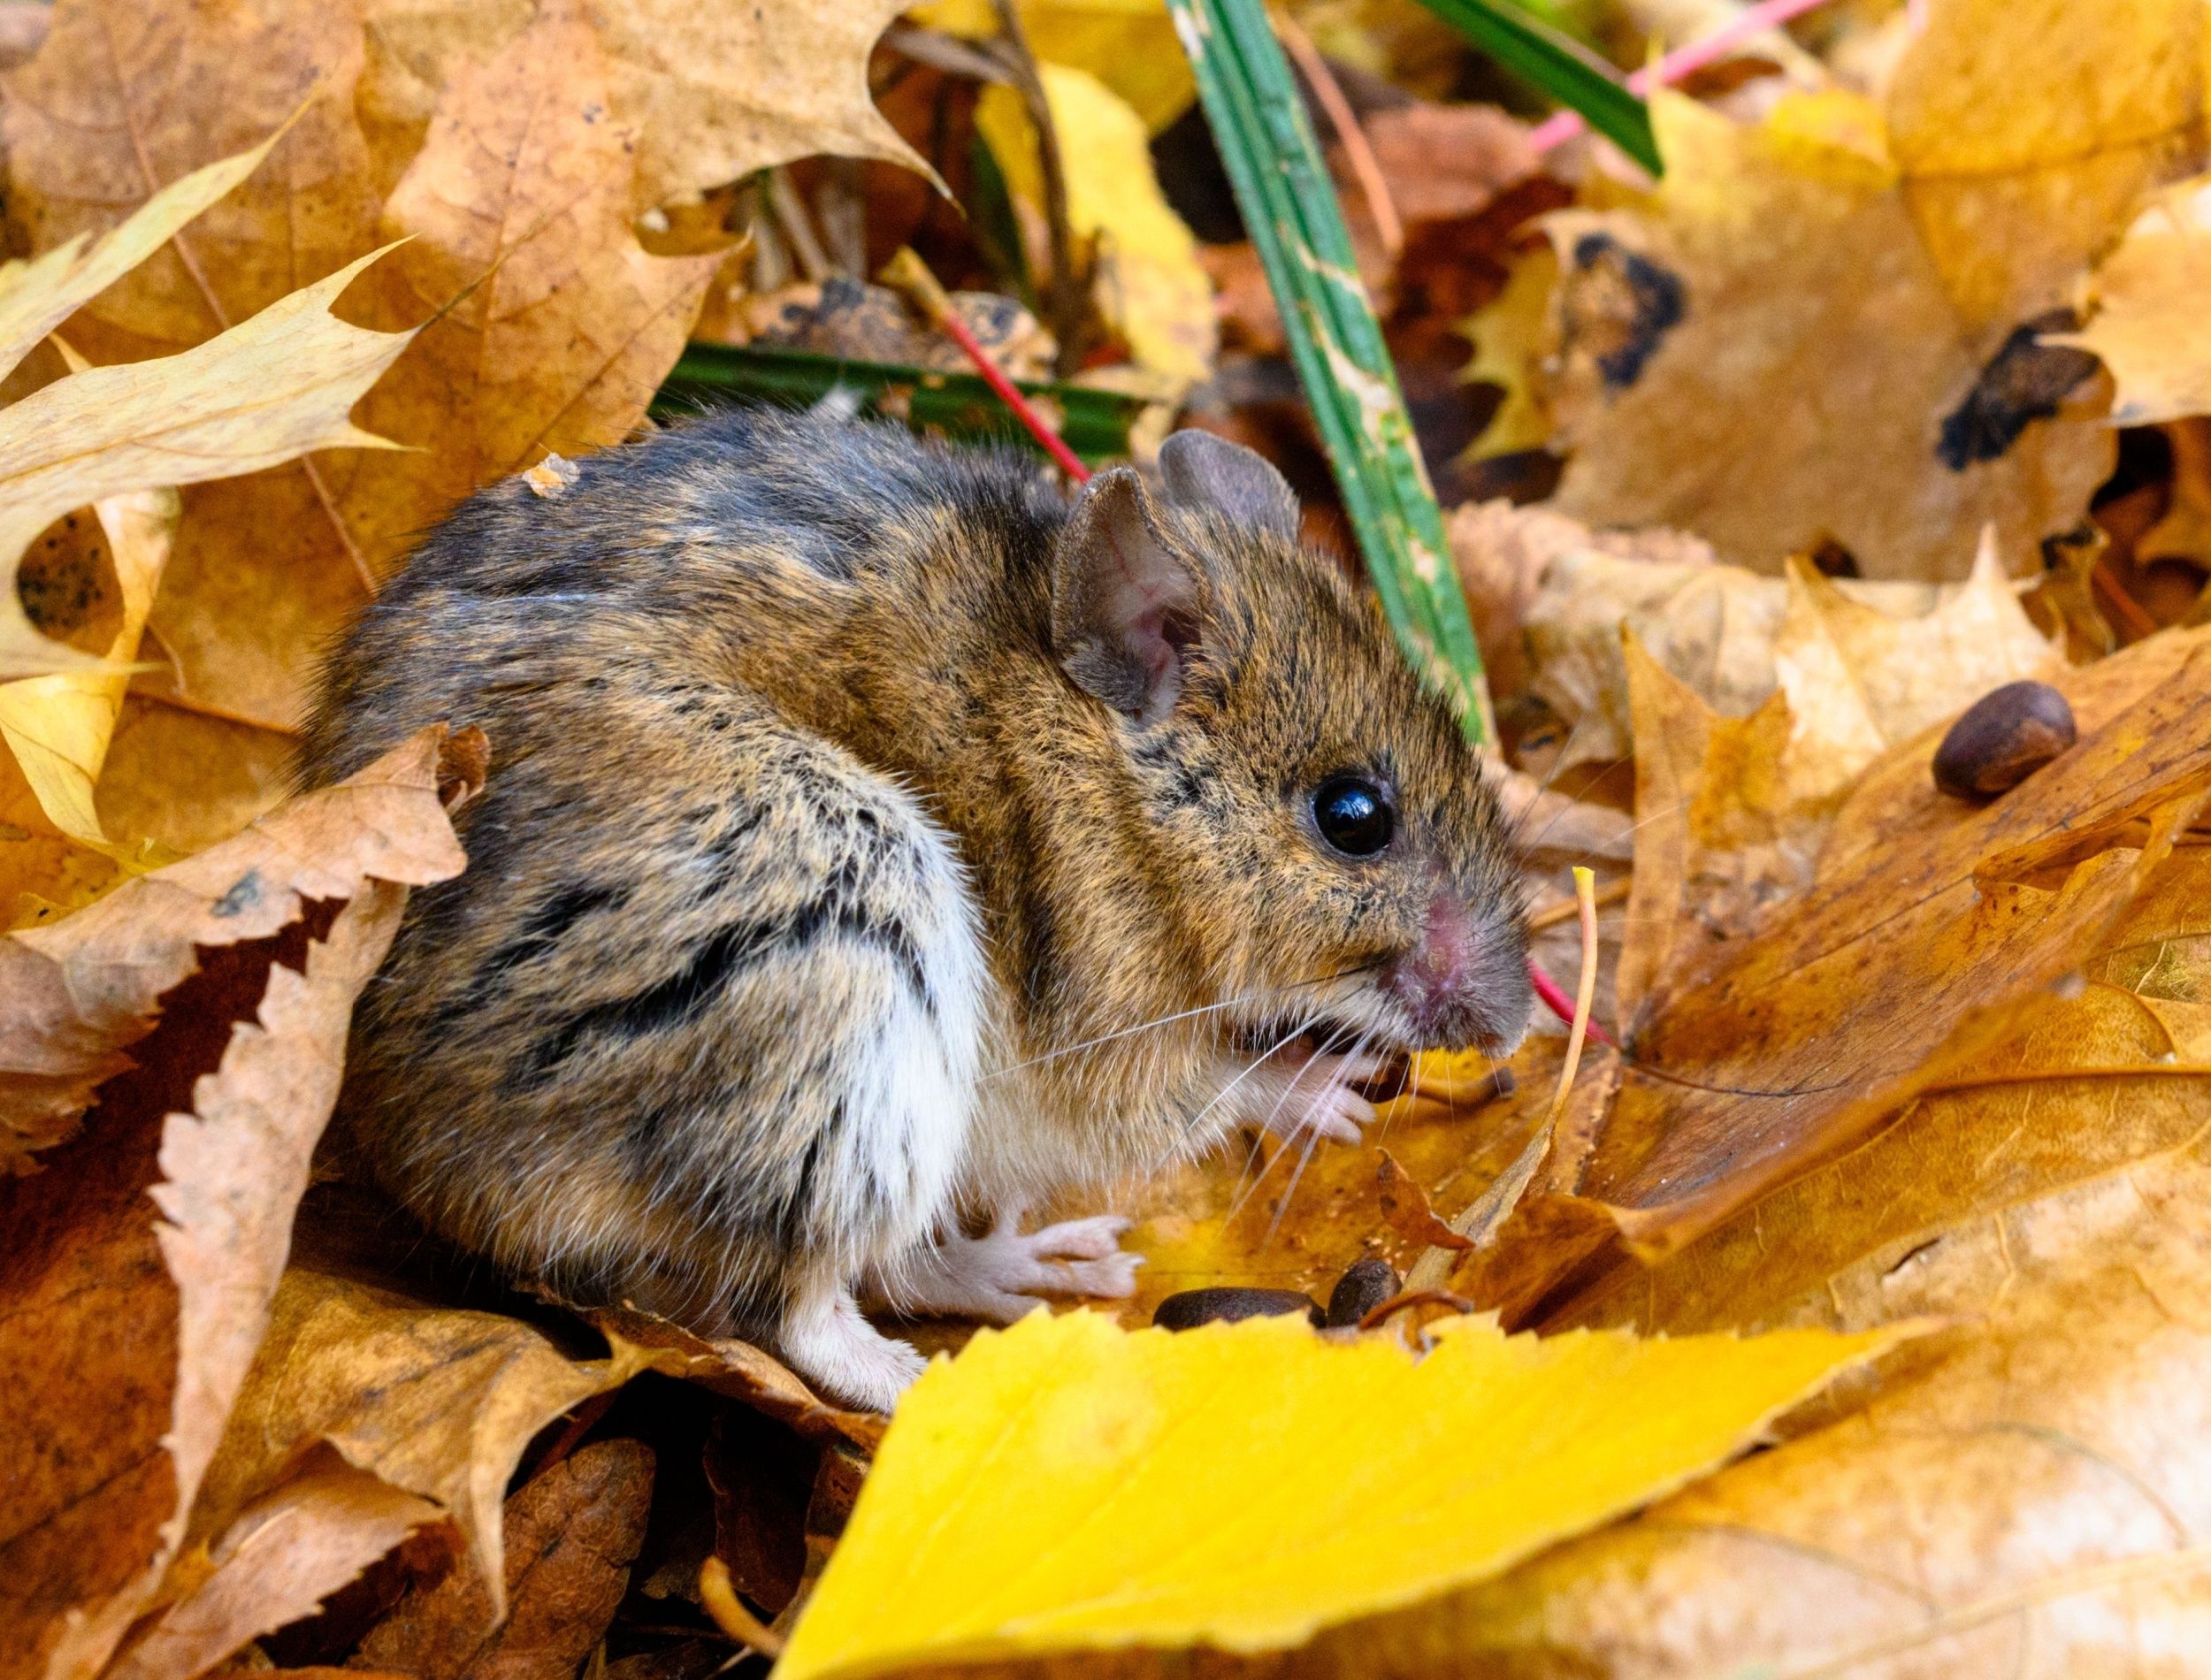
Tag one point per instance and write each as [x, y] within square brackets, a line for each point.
[1837, 272]
[121, 100]
[713, 95]
[130, 1336]
[561, 326]
[571, 1533]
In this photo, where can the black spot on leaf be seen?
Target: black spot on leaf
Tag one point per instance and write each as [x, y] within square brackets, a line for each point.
[2023, 382]
[1618, 307]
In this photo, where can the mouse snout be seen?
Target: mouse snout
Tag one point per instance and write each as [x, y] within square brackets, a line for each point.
[1465, 980]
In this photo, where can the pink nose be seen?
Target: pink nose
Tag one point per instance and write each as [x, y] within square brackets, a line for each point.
[1465, 980]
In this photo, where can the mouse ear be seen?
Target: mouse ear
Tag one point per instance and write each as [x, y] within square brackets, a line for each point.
[1124, 603]
[1204, 471]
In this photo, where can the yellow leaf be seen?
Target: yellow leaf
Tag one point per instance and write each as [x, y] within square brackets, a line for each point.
[2148, 328]
[1069, 1485]
[60, 726]
[270, 388]
[1150, 284]
[38, 296]
[1129, 45]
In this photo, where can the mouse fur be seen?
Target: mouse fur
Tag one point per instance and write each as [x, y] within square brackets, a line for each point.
[875, 840]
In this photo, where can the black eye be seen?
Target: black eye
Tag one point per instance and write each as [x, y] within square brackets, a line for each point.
[1353, 816]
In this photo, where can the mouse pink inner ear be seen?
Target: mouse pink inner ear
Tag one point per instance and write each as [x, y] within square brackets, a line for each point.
[1124, 603]
[1201, 471]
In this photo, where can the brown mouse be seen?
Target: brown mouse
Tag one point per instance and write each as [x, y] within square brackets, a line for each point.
[876, 841]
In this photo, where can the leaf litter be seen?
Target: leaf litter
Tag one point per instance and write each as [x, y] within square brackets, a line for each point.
[1832, 411]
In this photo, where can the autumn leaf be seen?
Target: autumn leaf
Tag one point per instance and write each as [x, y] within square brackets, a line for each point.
[275, 1563]
[38, 296]
[549, 327]
[571, 1534]
[1790, 285]
[1066, 1484]
[1863, 665]
[130, 1335]
[2146, 327]
[712, 96]
[1148, 282]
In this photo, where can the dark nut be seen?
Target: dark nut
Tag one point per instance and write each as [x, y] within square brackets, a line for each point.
[1364, 1287]
[2002, 738]
[1228, 1304]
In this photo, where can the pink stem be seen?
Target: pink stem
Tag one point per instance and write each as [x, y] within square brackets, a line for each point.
[1010, 394]
[1563, 126]
[1559, 1003]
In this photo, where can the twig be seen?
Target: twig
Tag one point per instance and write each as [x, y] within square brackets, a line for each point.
[1585, 897]
[1563, 126]
[1559, 1004]
[1328, 93]
[717, 1597]
[796, 225]
[1067, 297]
[2122, 603]
[906, 272]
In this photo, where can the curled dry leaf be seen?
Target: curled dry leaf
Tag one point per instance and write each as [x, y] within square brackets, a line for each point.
[281, 1557]
[571, 1534]
[1405, 1206]
[1069, 1485]
[130, 1335]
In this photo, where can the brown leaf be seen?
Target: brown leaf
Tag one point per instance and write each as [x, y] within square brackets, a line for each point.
[129, 1335]
[712, 96]
[560, 326]
[1753, 1060]
[437, 1401]
[122, 100]
[1782, 348]
[1751, 1064]
[77, 994]
[275, 1564]
[737, 1370]
[570, 1536]
[1405, 1207]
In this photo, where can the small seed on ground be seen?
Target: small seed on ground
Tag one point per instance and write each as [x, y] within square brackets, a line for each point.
[1226, 1304]
[2002, 738]
[1364, 1284]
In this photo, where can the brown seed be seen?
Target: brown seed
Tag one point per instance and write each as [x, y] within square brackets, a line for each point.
[1364, 1284]
[2002, 738]
[1226, 1304]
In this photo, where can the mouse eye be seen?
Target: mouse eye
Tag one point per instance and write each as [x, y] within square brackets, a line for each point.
[1353, 816]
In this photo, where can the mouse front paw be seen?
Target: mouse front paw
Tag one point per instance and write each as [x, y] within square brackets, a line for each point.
[1298, 1096]
[999, 1276]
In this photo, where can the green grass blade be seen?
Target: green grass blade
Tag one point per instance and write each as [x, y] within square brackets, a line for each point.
[1556, 65]
[1289, 209]
[1094, 422]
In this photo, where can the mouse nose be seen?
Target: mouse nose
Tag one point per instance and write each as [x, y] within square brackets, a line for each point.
[1464, 980]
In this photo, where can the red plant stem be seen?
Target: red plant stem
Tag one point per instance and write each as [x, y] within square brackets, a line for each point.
[1563, 126]
[1560, 1005]
[1010, 394]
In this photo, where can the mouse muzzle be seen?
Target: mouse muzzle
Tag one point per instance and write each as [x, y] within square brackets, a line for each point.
[1463, 983]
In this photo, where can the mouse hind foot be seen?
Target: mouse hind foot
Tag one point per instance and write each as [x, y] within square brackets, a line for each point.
[1001, 1275]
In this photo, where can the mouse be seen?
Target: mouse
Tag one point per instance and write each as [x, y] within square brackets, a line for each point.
[879, 841]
